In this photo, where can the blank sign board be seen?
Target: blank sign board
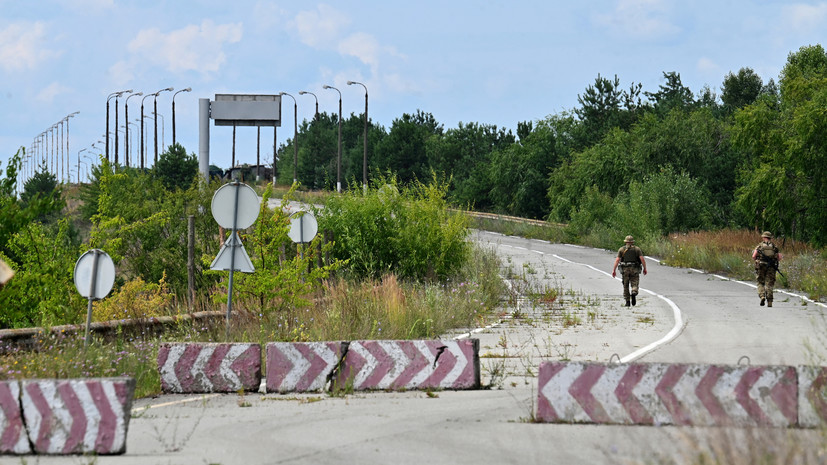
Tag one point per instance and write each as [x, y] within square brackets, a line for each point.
[224, 206]
[105, 272]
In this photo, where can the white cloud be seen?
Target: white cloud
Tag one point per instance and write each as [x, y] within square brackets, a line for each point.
[363, 46]
[192, 48]
[805, 18]
[320, 28]
[48, 94]
[706, 65]
[642, 19]
[22, 46]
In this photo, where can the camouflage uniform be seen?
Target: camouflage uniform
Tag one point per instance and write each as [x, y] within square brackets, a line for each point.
[629, 256]
[766, 262]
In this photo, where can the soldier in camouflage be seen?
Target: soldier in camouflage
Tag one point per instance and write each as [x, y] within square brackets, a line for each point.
[766, 257]
[631, 262]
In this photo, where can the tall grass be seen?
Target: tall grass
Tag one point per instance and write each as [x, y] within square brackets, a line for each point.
[729, 252]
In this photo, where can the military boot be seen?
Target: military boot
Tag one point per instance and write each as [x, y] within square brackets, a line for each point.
[762, 301]
[627, 302]
[634, 300]
[769, 303]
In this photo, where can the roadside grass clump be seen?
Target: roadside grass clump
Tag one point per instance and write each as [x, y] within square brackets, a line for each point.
[744, 446]
[134, 300]
[729, 252]
[405, 230]
[64, 355]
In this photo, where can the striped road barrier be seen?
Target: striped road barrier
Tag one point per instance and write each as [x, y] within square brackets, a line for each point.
[189, 367]
[812, 396]
[76, 416]
[399, 365]
[682, 394]
[13, 438]
[302, 366]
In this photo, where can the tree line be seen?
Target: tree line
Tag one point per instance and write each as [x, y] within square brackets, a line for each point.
[649, 162]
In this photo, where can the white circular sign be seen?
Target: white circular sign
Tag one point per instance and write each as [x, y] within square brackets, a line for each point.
[105, 274]
[224, 206]
[303, 227]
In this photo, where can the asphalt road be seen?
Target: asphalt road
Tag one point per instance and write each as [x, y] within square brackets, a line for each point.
[682, 316]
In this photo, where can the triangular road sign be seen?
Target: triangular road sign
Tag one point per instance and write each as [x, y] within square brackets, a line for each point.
[223, 261]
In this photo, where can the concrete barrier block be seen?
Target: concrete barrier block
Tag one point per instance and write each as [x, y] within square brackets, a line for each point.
[209, 367]
[77, 416]
[430, 364]
[667, 394]
[301, 366]
[13, 438]
[812, 396]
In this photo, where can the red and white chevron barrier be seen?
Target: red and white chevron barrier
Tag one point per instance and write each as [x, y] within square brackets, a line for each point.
[668, 394]
[411, 365]
[77, 416]
[812, 396]
[209, 367]
[13, 439]
[301, 366]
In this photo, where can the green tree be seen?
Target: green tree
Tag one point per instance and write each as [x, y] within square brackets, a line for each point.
[42, 191]
[672, 94]
[605, 105]
[783, 185]
[519, 173]
[740, 90]
[175, 169]
[464, 155]
[403, 150]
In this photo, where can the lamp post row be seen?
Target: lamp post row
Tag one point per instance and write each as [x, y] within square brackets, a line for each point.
[55, 158]
[130, 93]
[60, 160]
[339, 143]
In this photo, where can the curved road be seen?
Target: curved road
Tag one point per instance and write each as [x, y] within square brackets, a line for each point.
[682, 316]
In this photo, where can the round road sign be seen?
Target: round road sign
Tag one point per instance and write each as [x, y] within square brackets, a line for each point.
[105, 272]
[224, 206]
[303, 227]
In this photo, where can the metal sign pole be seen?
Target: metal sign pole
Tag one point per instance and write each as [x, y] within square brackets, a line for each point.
[301, 234]
[92, 284]
[232, 258]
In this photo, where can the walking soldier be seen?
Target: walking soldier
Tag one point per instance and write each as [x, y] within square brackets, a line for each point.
[631, 261]
[766, 257]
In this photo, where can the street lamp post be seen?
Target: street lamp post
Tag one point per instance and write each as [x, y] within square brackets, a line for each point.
[302, 92]
[113, 94]
[173, 111]
[143, 152]
[295, 137]
[339, 157]
[126, 118]
[79, 152]
[365, 143]
[155, 112]
[70, 115]
[50, 167]
[116, 121]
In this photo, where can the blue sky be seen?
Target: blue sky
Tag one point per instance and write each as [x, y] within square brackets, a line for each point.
[490, 62]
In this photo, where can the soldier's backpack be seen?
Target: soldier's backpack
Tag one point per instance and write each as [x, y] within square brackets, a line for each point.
[767, 252]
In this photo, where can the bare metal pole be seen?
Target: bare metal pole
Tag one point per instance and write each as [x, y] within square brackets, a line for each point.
[365, 140]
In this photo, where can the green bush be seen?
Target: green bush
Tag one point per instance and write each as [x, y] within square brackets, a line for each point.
[42, 292]
[409, 232]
